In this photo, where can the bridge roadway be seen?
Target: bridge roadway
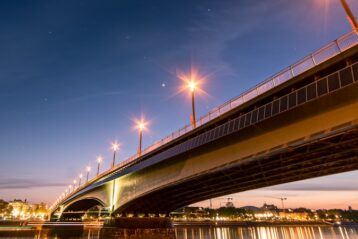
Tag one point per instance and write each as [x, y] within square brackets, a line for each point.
[302, 128]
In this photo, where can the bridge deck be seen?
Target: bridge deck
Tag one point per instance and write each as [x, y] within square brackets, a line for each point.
[232, 116]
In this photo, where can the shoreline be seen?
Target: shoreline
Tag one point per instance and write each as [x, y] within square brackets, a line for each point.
[10, 225]
[247, 224]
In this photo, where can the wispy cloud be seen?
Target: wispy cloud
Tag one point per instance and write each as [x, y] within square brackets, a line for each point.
[93, 96]
[20, 183]
[314, 187]
[217, 27]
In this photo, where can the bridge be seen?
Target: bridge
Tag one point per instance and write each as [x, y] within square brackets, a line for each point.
[300, 123]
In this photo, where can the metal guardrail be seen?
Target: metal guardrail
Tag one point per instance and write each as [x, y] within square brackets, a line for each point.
[319, 88]
[332, 49]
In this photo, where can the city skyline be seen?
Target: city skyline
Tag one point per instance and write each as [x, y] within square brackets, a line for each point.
[71, 86]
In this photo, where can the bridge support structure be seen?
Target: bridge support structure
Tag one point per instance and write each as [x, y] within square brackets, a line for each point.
[305, 129]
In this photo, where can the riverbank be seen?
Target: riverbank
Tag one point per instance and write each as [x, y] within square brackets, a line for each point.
[10, 225]
[246, 223]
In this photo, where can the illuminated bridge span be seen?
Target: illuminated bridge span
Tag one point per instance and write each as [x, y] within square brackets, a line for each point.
[301, 123]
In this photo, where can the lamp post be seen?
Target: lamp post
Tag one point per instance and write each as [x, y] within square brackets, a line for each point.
[88, 171]
[69, 188]
[349, 14]
[192, 86]
[141, 126]
[192, 82]
[115, 148]
[99, 161]
[74, 184]
[80, 178]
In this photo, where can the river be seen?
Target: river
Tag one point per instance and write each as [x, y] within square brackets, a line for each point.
[270, 232]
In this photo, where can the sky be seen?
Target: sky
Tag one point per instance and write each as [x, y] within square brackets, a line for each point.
[75, 74]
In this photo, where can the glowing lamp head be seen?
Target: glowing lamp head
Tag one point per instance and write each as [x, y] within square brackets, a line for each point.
[70, 186]
[141, 125]
[80, 176]
[74, 181]
[192, 81]
[192, 85]
[99, 159]
[115, 146]
[88, 168]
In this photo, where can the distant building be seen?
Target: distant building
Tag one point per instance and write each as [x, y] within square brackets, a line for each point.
[22, 210]
[189, 212]
[295, 216]
[270, 207]
[267, 211]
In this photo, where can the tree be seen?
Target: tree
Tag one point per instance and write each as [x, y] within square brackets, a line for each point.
[3, 206]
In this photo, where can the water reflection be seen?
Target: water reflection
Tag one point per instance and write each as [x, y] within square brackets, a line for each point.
[266, 233]
[284, 232]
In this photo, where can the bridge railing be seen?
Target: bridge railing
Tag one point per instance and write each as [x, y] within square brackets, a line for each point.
[325, 53]
[319, 88]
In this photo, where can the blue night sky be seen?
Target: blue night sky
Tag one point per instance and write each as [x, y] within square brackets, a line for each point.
[74, 75]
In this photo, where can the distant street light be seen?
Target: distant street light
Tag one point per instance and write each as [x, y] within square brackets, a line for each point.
[99, 161]
[88, 171]
[69, 188]
[74, 184]
[141, 126]
[349, 14]
[115, 148]
[79, 182]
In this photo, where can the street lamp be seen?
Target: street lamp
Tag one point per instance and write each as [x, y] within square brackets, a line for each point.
[69, 188]
[351, 19]
[141, 126]
[115, 148]
[74, 184]
[79, 182]
[192, 82]
[99, 161]
[88, 171]
[192, 85]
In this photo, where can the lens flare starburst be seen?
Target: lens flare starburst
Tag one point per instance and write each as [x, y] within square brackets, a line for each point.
[141, 124]
[192, 81]
[115, 146]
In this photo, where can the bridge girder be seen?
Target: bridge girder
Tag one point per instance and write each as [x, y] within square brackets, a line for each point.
[319, 137]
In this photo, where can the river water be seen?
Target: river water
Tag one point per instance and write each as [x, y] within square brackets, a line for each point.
[277, 232]
[267, 233]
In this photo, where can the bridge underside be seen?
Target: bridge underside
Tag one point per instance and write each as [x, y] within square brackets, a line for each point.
[79, 208]
[314, 139]
[311, 134]
[332, 153]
